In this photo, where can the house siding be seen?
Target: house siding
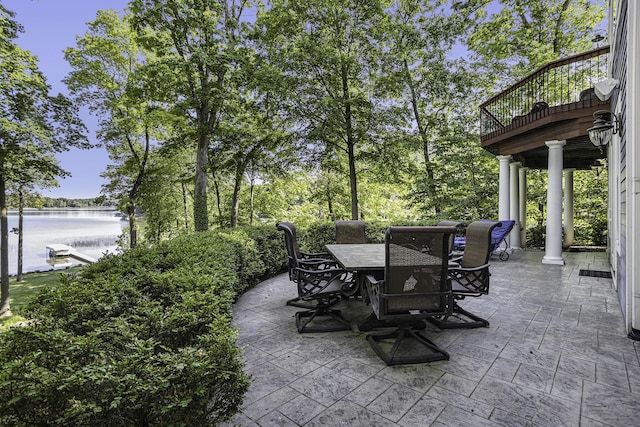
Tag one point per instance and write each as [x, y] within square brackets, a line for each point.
[619, 72]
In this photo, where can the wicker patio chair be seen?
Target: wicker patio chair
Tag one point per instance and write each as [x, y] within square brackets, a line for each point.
[470, 277]
[415, 287]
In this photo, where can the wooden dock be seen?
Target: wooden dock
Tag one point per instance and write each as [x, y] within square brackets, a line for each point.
[56, 250]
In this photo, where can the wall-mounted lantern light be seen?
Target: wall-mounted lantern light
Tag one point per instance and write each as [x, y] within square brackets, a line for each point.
[605, 125]
[597, 166]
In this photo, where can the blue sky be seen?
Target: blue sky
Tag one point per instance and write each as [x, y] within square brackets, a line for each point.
[50, 27]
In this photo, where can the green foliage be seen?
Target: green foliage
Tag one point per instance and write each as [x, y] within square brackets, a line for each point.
[249, 266]
[536, 236]
[522, 36]
[139, 338]
[34, 126]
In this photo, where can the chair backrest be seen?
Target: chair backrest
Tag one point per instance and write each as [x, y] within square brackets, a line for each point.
[350, 232]
[290, 240]
[415, 280]
[456, 225]
[478, 245]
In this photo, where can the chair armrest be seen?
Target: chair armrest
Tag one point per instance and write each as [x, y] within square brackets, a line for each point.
[326, 271]
[455, 260]
[371, 280]
[373, 286]
[317, 263]
[309, 255]
[467, 269]
[327, 281]
[470, 281]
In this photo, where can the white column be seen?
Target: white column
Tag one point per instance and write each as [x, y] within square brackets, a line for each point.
[523, 206]
[503, 189]
[514, 205]
[553, 242]
[568, 208]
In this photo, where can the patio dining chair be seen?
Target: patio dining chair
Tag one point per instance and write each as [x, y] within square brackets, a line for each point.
[351, 231]
[415, 287]
[457, 225]
[470, 276]
[300, 259]
[321, 288]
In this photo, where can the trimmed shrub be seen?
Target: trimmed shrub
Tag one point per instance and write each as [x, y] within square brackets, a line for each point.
[142, 338]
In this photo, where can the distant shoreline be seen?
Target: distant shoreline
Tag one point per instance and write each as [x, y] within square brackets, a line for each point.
[88, 208]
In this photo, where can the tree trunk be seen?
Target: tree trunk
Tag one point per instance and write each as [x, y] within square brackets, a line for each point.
[251, 189]
[348, 118]
[133, 227]
[4, 250]
[330, 203]
[185, 205]
[235, 199]
[200, 209]
[133, 193]
[216, 186]
[422, 131]
[20, 234]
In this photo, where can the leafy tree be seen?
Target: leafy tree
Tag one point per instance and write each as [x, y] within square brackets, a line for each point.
[326, 49]
[197, 47]
[524, 35]
[590, 203]
[430, 89]
[164, 194]
[108, 77]
[23, 194]
[253, 138]
[33, 126]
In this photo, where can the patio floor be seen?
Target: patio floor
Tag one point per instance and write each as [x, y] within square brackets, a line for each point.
[556, 354]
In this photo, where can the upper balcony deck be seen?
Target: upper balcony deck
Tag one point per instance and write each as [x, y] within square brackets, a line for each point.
[556, 102]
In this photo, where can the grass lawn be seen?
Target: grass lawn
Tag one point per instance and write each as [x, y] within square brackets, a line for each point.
[21, 293]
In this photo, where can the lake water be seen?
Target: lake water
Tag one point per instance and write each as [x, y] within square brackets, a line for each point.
[89, 231]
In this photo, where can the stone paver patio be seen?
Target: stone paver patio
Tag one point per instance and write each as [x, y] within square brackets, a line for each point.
[556, 354]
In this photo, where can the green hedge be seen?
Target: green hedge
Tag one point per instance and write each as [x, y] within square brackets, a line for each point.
[142, 338]
[316, 236]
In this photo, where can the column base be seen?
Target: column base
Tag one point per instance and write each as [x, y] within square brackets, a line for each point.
[552, 260]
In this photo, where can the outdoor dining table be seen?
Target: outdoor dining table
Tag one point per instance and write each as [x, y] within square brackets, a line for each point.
[360, 259]
[369, 259]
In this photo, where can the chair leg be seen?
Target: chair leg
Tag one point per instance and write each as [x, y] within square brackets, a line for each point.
[475, 321]
[372, 322]
[351, 289]
[304, 318]
[299, 302]
[433, 352]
